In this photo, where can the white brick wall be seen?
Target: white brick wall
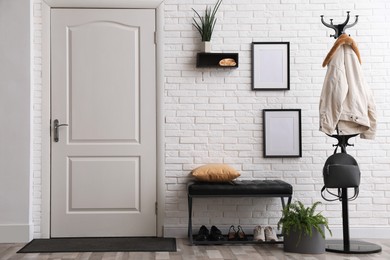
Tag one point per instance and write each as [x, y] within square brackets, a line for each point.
[36, 35]
[212, 115]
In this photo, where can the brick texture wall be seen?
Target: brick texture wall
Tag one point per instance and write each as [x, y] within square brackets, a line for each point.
[36, 47]
[213, 116]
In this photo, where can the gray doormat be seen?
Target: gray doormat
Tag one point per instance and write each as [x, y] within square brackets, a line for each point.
[101, 244]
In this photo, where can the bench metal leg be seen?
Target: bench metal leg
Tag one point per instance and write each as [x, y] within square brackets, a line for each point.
[190, 219]
[284, 203]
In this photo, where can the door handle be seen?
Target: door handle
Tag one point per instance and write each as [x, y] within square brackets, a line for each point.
[56, 126]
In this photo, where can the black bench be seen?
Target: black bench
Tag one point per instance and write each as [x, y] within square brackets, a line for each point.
[244, 188]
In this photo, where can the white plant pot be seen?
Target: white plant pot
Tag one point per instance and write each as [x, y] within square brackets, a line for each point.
[206, 47]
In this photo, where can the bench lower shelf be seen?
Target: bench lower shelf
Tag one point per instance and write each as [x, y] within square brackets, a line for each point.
[245, 188]
[226, 241]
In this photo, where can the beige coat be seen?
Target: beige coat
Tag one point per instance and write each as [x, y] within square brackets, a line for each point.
[346, 101]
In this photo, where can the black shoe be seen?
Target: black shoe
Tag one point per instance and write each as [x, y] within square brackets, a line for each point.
[215, 234]
[203, 234]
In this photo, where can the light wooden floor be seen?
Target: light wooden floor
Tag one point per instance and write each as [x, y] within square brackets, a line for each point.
[187, 252]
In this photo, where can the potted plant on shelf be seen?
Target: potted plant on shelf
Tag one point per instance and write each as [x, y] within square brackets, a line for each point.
[303, 229]
[206, 24]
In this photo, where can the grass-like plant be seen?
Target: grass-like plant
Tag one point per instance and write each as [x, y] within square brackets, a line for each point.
[206, 23]
[298, 218]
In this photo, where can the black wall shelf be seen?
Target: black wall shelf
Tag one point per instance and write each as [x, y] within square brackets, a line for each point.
[211, 59]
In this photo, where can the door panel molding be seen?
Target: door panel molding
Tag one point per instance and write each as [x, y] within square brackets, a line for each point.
[158, 5]
[82, 198]
[81, 130]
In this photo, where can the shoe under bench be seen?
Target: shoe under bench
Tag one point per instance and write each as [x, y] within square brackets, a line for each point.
[244, 188]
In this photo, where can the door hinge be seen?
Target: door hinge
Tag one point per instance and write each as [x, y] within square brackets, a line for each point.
[155, 207]
[155, 38]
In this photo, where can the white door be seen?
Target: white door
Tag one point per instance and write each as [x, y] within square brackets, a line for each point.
[104, 87]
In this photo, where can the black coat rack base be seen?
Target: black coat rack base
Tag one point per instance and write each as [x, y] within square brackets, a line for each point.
[355, 247]
[346, 245]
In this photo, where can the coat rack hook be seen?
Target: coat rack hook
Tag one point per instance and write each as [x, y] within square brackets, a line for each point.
[340, 28]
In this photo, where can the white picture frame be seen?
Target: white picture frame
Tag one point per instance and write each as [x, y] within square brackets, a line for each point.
[282, 133]
[270, 65]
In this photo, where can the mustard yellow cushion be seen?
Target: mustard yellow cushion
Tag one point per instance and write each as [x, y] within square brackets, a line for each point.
[215, 173]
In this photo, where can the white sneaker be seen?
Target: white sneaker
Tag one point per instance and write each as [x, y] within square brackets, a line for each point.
[270, 235]
[258, 234]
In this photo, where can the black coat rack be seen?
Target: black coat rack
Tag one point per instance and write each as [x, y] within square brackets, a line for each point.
[346, 245]
[340, 28]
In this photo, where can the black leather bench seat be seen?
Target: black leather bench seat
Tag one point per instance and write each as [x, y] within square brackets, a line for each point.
[240, 188]
[243, 188]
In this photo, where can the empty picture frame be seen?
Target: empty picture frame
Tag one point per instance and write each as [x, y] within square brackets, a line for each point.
[282, 133]
[270, 65]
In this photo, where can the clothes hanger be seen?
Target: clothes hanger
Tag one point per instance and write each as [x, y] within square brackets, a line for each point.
[340, 28]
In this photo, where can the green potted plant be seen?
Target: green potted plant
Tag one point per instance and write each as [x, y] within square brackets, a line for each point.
[205, 25]
[303, 229]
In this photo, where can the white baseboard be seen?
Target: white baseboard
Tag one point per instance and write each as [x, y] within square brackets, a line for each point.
[362, 233]
[177, 232]
[355, 232]
[16, 233]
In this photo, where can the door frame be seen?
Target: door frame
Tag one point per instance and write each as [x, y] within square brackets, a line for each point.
[158, 5]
